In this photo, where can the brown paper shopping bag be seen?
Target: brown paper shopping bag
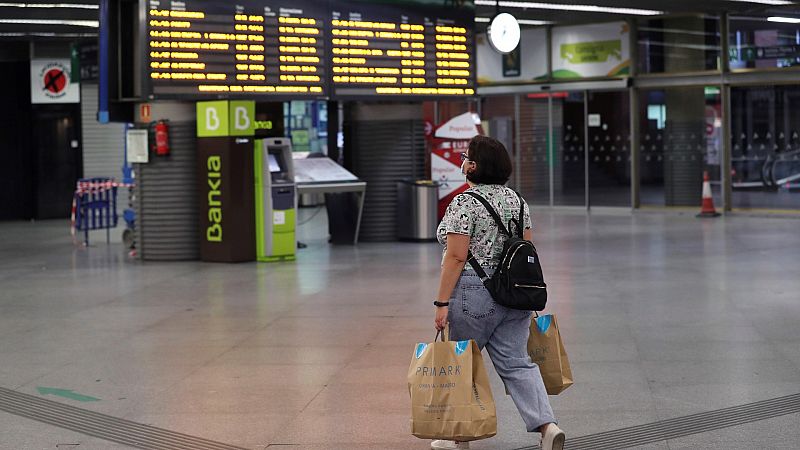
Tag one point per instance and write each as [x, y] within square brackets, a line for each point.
[450, 394]
[547, 350]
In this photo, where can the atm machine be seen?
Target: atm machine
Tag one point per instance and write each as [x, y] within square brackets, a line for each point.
[275, 200]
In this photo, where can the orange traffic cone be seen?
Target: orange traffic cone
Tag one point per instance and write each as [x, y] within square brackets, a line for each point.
[707, 210]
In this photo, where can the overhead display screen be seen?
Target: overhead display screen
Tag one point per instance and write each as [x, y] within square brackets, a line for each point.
[295, 49]
[245, 48]
[379, 49]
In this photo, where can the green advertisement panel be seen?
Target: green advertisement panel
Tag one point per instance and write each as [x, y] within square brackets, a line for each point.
[591, 51]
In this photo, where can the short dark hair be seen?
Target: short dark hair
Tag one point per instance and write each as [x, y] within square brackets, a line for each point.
[492, 161]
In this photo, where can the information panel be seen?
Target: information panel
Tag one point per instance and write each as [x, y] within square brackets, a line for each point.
[245, 48]
[379, 49]
[295, 49]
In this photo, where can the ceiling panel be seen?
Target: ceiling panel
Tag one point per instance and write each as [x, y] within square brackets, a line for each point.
[75, 18]
[669, 7]
[53, 19]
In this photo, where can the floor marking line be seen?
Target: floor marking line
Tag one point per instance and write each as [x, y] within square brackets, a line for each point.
[677, 427]
[656, 427]
[100, 425]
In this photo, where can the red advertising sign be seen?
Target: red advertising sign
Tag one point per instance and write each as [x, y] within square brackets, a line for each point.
[451, 139]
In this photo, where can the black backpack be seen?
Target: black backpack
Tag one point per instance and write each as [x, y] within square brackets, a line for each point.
[518, 282]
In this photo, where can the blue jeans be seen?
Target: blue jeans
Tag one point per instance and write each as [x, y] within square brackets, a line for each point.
[504, 332]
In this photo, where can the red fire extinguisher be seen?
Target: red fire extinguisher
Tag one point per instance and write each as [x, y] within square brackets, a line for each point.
[162, 138]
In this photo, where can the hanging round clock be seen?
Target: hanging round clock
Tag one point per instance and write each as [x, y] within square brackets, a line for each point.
[504, 33]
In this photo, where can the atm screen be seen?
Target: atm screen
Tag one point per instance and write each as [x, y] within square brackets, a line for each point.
[274, 166]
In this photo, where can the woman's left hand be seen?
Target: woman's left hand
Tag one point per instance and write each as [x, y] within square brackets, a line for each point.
[441, 318]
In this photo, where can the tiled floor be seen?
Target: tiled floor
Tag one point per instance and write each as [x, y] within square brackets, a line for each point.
[662, 315]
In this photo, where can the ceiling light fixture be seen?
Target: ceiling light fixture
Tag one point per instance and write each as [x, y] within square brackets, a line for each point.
[521, 21]
[48, 5]
[60, 35]
[765, 2]
[562, 7]
[783, 19]
[533, 22]
[76, 23]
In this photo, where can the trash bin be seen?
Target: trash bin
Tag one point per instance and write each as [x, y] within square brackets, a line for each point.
[417, 210]
[342, 211]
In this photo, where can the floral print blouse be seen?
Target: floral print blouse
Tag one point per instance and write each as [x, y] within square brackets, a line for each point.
[466, 215]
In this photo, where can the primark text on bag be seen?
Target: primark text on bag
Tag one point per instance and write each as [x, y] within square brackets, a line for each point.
[450, 394]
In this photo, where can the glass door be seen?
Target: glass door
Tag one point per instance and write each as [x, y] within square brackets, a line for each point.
[608, 161]
[575, 147]
[680, 139]
[535, 154]
[765, 163]
[568, 175]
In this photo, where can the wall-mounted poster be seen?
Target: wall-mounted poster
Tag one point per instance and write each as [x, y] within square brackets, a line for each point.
[511, 63]
[585, 51]
[525, 64]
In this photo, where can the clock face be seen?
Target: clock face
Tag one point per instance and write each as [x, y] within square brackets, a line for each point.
[504, 33]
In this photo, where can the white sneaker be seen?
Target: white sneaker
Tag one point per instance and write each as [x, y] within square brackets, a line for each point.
[553, 438]
[449, 445]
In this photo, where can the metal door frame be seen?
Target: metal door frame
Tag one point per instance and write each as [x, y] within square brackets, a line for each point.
[585, 87]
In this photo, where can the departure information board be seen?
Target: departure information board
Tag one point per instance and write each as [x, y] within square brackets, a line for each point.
[294, 49]
[379, 49]
[236, 49]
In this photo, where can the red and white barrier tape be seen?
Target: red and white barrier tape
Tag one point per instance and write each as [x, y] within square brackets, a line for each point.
[89, 187]
[83, 187]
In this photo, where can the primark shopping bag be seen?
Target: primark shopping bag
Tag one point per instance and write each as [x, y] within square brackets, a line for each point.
[450, 394]
[547, 350]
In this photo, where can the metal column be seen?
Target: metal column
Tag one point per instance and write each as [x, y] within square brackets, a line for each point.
[104, 62]
[586, 148]
[633, 98]
[517, 146]
[725, 161]
[725, 99]
[633, 111]
[550, 155]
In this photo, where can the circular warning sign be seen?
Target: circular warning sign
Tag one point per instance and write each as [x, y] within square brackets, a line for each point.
[54, 80]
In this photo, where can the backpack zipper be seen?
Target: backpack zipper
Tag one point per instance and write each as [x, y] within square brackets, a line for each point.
[511, 258]
[529, 286]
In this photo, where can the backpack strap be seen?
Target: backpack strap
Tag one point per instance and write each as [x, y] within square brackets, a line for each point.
[521, 223]
[491, 210]
[470, 257]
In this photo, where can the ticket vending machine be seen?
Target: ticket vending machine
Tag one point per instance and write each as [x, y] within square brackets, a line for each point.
[275, 200]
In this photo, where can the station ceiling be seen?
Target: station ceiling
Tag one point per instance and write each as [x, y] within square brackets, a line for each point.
[588, 11]
[48, 19]
[74, 19]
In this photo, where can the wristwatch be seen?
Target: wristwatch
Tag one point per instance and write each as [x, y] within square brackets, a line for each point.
[440, 304]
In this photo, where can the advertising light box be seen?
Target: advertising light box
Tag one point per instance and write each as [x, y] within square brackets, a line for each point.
[296, 49]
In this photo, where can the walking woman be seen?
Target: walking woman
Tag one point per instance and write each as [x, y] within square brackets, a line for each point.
[467, 306]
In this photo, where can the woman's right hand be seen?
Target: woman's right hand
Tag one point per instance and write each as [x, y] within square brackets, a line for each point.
[441, 318]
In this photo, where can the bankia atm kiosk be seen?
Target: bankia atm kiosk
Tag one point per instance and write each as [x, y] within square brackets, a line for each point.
[275, 200]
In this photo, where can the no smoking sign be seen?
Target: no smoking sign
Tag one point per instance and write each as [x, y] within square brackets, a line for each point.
[55, 81]
[50, 82]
